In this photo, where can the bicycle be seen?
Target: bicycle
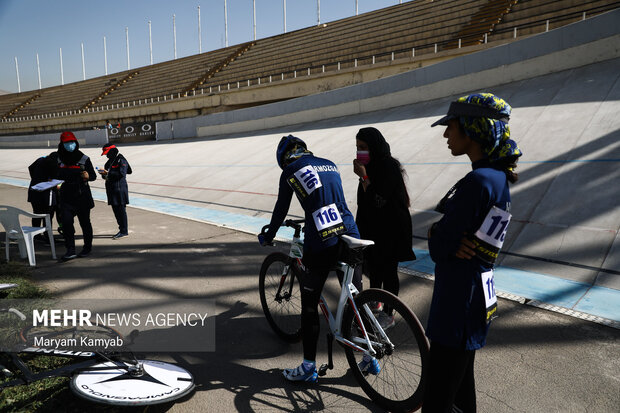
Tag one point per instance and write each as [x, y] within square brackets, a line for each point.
[113, 378]
[402, 349]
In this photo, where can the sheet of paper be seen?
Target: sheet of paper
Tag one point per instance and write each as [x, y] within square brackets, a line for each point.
[42, 186]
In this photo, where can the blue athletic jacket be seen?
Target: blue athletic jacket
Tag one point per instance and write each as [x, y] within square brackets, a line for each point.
[457, 315]
[316, 183]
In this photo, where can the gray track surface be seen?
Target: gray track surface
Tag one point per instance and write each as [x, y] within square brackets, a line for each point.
[535, 360]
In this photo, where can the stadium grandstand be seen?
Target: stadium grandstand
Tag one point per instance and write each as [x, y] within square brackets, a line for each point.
[333, 55]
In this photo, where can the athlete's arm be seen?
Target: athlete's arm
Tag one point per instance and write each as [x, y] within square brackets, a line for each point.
[285, 194]
[446, 236]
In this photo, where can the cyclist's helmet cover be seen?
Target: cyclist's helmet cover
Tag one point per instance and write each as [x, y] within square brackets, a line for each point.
[287, 148]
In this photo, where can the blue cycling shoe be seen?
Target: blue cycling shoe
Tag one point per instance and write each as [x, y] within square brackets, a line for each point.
[369, 365]
[300, 374]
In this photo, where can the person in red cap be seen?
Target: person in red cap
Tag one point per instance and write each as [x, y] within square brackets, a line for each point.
[76, 170]
[115, 174]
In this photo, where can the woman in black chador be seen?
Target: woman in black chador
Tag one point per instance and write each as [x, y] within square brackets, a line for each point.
[382, 214]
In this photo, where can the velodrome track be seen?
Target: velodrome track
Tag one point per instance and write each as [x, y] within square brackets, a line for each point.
[563, 245]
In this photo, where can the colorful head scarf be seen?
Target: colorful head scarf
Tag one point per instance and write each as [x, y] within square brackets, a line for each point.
[492, 134]
[484, 118]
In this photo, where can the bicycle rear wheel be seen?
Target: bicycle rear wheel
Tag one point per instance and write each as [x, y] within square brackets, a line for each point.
[399, 385]
[280, 296]
[113, 382]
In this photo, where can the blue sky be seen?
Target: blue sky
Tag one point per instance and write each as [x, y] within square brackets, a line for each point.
[28, 27]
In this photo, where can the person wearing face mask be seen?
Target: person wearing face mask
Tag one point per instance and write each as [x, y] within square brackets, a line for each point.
[76, 170]
[115, 174]
[382, 215]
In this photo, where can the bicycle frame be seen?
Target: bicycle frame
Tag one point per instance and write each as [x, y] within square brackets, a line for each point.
[389, 368]
[111, 378]
[90, 358]
[63, 371]
[347, 294]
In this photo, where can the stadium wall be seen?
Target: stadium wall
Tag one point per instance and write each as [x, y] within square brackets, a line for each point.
[84, 137]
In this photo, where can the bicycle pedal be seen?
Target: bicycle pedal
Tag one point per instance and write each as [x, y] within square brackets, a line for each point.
[323, 370]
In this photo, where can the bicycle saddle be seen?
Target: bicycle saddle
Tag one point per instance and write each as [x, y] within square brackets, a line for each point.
[355, 243]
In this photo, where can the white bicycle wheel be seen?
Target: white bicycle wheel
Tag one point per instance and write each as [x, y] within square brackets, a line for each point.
[158, 382]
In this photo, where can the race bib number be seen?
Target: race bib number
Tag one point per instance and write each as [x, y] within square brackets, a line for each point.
[490, 299]
[328, 222]
[490, 236]
[305, 181]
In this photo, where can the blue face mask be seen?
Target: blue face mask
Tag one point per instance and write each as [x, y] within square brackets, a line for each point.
[69, 146]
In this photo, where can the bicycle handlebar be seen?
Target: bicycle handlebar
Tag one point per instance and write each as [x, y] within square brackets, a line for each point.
[18, 313]
[293, 223]
[14, 311]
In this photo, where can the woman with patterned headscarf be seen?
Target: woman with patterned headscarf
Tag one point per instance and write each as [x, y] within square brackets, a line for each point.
[382, 214]
[464, 244]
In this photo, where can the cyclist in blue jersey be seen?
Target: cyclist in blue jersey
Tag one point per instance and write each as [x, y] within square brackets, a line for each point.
[316, 183]
[464, 245]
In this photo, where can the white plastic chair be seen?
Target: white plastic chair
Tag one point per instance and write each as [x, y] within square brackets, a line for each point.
[24, 235]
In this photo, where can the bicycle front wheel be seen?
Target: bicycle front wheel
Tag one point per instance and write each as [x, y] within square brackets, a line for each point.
[139, 383]
[402, 355]
[280, 296]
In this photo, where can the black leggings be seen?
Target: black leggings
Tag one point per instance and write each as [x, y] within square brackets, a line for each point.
[382, 271]
[450, 380]
[318, 264]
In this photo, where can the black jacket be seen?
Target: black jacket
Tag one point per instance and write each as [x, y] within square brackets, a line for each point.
[68, 166]
[383, 210]
[116, 181]
[40, 171]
